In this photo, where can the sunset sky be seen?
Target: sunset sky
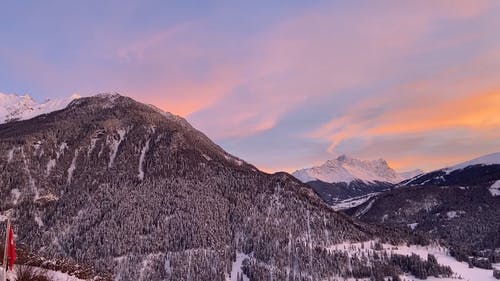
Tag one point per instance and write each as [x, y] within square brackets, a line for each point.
[281, 84]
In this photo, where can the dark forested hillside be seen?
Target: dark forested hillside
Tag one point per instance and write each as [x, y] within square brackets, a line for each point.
[141, 194]
[333, 193]
[458, 208]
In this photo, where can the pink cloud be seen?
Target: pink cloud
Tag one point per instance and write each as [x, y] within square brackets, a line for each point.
[317, 55]
[239, 89]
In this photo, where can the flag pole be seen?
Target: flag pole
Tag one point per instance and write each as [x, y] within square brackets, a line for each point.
[5, 250]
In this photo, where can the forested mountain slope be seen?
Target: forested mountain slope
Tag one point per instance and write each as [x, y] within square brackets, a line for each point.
[459, 206]
[141, 194]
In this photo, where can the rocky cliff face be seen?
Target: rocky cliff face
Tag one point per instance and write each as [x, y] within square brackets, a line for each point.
[139, 193]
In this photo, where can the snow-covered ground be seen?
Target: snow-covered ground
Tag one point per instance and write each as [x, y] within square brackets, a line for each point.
[59, 276]
[460, 269]
[495, 188]
[413, 225]
[236, 269]
[53, 275]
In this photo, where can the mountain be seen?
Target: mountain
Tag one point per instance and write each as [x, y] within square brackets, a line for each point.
[15, 107]
[474, 171]
[142, 195]
[347, 169]
[347, 179]
[458, 205]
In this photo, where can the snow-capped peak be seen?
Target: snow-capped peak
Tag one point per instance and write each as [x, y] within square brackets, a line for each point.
[19, 107]
[488, 159]
[347, 169]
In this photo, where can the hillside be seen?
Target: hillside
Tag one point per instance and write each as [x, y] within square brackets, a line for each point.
[459, 206]
[347, 181]
[139, 193]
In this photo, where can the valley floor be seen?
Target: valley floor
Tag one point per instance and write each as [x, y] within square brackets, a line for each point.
[461, 269]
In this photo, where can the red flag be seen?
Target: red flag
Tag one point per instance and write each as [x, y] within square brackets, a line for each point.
[11, 249]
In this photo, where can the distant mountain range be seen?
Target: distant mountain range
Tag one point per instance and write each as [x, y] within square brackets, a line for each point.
[347, 169]
[343, 179]
[19, 107]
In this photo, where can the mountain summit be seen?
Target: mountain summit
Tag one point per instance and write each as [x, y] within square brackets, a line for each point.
[347, 169]
[347, 182]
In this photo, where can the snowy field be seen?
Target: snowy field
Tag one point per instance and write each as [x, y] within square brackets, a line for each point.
[53, 275]
[460, 269]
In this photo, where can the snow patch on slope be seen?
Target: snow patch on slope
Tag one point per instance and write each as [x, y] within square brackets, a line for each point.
[495, 188]
[10, 154]
[53, 275]
[412, 225]
[114, 144]
[353, 202]
[236, 268]
[38, 220]
[365, 209]
[63, 146]
[72, 167]
[16, 194]
[454, 214]
[31, 180]
[147, 264]
[141, 160]
[50, 165]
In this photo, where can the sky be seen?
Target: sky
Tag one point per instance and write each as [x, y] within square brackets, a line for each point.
[281, 84]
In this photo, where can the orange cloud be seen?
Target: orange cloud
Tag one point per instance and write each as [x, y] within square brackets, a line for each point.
[437, 161]
[474, 112]
[308, 56]
[478, 111]
[475, 116]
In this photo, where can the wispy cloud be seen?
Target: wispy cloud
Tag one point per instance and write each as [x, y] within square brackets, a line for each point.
[387, 79]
